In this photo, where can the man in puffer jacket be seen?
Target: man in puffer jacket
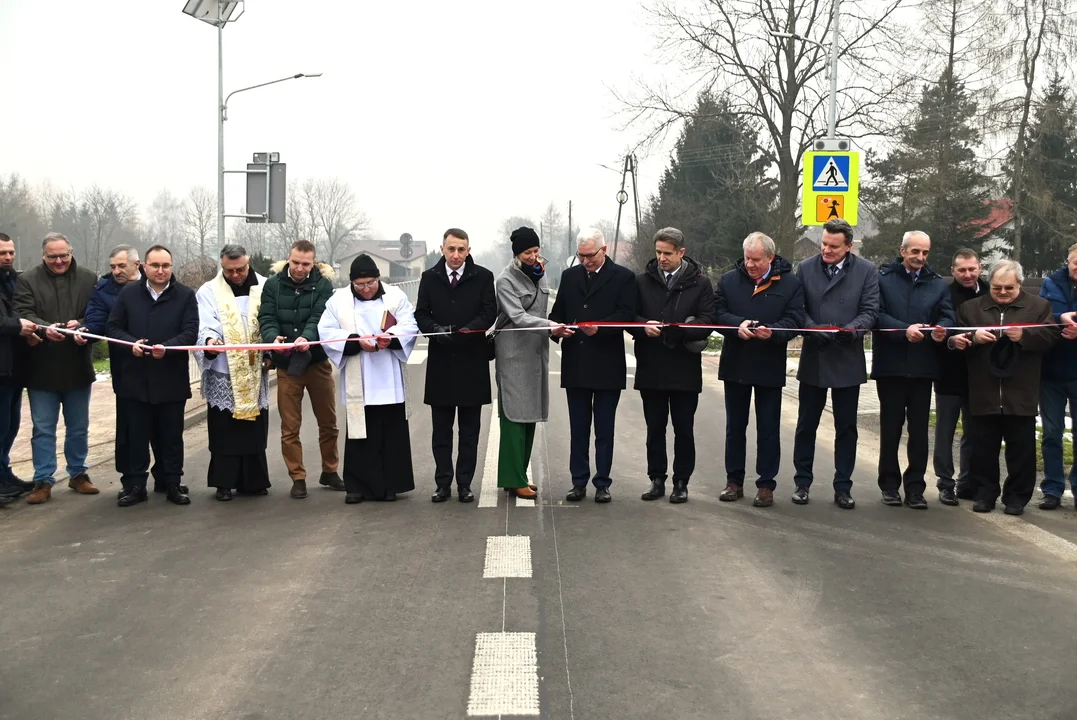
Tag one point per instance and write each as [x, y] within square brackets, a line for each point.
[293, 300]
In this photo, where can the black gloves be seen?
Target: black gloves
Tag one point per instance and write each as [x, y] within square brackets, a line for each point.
[845, 338]
[444, 339]
[352, 347]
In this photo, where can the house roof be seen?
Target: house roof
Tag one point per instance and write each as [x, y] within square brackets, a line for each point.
[1001, 215]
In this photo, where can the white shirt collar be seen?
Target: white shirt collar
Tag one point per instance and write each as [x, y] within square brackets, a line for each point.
[449, 271]
[153, 293]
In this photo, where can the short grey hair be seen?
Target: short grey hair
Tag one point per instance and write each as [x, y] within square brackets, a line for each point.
[132, 254]
[671, 235]
[911, 234]
[233, 251]
[53, 237]
[1006, 266]
[762, 240]
[591, 235]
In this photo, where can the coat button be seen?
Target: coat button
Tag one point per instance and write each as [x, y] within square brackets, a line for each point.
[585, 306]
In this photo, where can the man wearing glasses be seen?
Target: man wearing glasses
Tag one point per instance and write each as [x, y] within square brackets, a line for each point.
[593, 370]
[235, 383]
[60, 372]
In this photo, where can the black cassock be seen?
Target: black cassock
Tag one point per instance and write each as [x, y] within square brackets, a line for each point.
[237, 448]
[380, 465]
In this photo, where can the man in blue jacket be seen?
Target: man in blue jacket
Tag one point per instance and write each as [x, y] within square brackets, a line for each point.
[1058, 384]
[123, 267]
[914, 311]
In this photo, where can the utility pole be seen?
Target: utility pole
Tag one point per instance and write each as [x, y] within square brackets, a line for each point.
[570, 250]
[832, 126]
[622, 197]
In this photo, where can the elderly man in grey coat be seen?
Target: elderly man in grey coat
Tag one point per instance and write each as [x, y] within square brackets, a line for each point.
[840, 290]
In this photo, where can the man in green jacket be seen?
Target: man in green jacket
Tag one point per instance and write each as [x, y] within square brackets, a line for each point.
[60, 373]
[293, 300]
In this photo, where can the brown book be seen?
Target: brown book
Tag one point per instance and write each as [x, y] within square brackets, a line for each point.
[387, 320]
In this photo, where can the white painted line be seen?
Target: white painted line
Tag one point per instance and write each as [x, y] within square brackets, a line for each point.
[526, 502]
[488, 489]
[417, 357]
[1033, 534]
[507, 556]
[504, 675]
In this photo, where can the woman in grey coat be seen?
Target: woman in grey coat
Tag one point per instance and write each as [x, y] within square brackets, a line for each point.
[522, 359]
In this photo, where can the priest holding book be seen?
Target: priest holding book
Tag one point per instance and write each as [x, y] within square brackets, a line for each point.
[374, 328]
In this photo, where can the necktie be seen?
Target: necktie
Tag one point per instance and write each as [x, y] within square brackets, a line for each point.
[832, 269]
[669, 280]
[590, 278]
[454, 280]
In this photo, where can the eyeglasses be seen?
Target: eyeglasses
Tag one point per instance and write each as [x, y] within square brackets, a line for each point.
[1003, 288]
[588, 256]
[160, 266]
[236, 271]
[61, 256]
[365, 284]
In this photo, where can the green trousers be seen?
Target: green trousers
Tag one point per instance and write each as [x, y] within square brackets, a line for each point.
[514, 453]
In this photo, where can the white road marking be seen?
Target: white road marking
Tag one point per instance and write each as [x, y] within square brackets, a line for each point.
[507, 556]
[504, 675]
[526, 502]
[1033, 534]
[488, 489]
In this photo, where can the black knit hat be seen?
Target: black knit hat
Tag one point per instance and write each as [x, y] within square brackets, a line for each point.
[364, 267]
[523, 239]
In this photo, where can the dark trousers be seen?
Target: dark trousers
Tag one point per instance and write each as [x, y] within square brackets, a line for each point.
[768, 418]
[10, 419]
[442, 420]
[1019, 433]
[140, 424]
[658, 407]
[844, 402]
[902, 399]
[948, 410]
[583, 405]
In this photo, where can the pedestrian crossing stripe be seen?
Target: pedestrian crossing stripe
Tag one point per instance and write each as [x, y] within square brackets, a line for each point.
[831, 173]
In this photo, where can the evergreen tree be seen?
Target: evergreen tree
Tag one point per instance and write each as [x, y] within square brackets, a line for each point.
[932, 180]
[715, 189]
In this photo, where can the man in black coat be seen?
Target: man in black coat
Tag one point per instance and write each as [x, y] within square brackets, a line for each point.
[762, 297]
[154, 383]
[914, 312]
[952, 389]
[593, 358]
[12, 358]
[456, 294]
[840, 290]
[669, 375]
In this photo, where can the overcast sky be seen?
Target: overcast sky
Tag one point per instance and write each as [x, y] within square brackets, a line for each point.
[437, 113]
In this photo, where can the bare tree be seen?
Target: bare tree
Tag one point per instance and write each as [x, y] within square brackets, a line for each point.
[732, 46]
[104, 212]
[200, 222]
[300, 221]
[21, 219]
[166, 224]
[257, 238]
[336, 213]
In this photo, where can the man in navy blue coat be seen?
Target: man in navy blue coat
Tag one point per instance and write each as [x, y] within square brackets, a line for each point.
[914, 311]
[761, 296]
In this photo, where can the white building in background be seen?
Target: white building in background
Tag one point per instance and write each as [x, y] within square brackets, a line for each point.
[386, 253]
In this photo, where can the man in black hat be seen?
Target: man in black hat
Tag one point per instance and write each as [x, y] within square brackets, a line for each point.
[1004, 380]
[456, 294]
[593, 368]
[374, 327]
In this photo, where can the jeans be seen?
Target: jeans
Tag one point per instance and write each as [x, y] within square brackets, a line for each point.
[1054, 394]
[45, 412]
[948, 409]
[10, 418]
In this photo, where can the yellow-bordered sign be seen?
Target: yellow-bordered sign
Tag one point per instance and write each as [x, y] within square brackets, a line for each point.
[831, 187]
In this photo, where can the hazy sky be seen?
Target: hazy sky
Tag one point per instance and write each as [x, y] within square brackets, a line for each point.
[437, 113]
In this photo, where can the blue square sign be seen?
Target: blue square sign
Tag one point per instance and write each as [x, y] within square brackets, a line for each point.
[830, 173]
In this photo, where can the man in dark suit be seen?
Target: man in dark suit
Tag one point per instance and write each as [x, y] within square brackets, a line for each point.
[840, 290]
[593, 358]
[456, 294]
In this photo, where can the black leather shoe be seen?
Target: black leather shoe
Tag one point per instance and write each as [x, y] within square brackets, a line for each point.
[441, 495]
[680, 492]
[602, 495]
[916, 502]
[983, 506]
[891, 497]
[24, 486]
[1050, 502]
[577, 493]
[177, 496]
[332, 481]
[353, 498]
[844, 500]
[389, 497]
[132, 496]
[1015, 510]
[947, 496]
[6, 500]
[162, 488]
[800, 497]
[464, 494]
[224, 494]
[658, 489]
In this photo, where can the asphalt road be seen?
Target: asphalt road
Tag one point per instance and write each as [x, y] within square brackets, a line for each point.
[269, 607]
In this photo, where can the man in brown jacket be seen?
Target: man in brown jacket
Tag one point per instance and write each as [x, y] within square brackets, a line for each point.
[1004, 383]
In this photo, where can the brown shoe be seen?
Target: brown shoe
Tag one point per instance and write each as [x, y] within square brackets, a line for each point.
[525, 492]
[42, 492]
[82, 485]
[763, 498]
[732, 492]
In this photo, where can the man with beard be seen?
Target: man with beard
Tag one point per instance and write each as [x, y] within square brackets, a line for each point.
[374, 326]
[235, 383]
[669, 368]
[12, 366]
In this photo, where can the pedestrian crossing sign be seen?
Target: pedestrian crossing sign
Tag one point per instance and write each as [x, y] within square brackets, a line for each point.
[831, 187]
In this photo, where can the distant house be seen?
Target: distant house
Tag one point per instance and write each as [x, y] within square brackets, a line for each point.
[993, 231]
[386, 253]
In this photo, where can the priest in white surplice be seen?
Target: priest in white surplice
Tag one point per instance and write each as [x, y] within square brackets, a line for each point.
[374, 381]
